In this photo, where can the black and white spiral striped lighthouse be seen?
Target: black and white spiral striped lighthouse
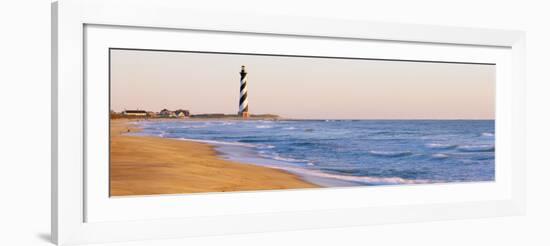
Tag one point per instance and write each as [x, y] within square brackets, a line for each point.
[243, 99]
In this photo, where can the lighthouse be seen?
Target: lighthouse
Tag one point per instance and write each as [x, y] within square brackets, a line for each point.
[243, 99]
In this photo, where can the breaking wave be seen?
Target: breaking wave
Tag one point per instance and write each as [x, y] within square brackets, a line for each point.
[441, 146]
[440, 156]
[390, 153]
[476, 148]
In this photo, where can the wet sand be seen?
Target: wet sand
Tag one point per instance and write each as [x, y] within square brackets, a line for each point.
[153, 165]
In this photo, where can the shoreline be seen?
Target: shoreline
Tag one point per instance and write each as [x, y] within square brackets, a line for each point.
[246, 154]
[149, 165]
[264, 144]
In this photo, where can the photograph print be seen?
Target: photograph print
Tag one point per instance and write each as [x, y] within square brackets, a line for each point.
[206, 122]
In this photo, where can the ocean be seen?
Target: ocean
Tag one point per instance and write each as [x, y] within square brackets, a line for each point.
[350, 152]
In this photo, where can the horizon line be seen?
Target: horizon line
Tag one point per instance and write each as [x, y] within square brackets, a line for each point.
[289, 118]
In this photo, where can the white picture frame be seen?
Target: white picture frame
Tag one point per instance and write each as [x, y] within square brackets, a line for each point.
[82, 214]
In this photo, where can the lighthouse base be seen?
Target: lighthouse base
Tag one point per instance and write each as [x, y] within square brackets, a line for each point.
[245, 115]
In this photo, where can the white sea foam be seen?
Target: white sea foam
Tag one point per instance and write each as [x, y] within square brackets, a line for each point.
[369, 180]
[440, 156]
[264, 126]
[189, 127]
[218, 142]
[390, 153]
[487, 134]
[477, 148]
[284, 159]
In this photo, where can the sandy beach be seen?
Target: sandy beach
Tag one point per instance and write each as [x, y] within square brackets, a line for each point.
[153, 165]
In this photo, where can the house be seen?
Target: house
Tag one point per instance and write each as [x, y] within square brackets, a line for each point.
[167, 113]
[140, 113]
[181, 113]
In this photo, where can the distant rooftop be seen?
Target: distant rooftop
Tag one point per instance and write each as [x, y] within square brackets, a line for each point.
[135, 111]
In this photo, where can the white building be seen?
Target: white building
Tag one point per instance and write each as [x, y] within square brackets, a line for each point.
[142, 113]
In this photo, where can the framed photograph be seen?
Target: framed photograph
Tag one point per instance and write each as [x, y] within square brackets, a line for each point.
[172, 123]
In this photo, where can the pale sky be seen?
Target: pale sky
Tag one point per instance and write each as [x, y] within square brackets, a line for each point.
[299, 87]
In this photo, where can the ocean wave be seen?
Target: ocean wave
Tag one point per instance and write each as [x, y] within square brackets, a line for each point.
[307, 172]
[476, 148]
[303, 144]
[265, 152]
[266, 146]
[483, 158]
[264, 126]
[487, 134]
[392, 180]
[289, 128]
[441, 146]
[390, 153]
[368, 180]
[440, 156]
[218, 142]
[259, 140]
[175, 129]
[274, 156]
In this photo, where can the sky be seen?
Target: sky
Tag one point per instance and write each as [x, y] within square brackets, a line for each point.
[301, 87]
